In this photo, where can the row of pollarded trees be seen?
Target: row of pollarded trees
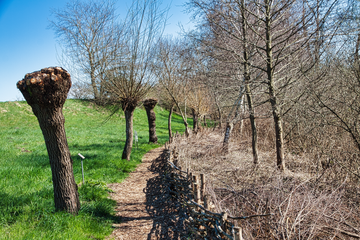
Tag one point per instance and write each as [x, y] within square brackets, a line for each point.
[115, 54]
[46, 92]
[124, 59]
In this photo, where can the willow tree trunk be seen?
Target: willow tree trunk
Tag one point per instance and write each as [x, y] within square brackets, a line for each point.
[129, 117]
[169, 122]
[46, 92]
[149, 105]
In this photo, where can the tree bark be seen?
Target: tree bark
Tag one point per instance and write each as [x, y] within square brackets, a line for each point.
[187, 131]
[273, 98]
[51, 122]
[220, 114]
[230, 122]
[279, 138]
[195, 120]
[253, 125]
[247, 78]
[149, 105]
[46, 92]
[129, 117]
[356, 58]
[93, 79]
[128, 105]
[228, 130]
[169, 123]
[184, 117]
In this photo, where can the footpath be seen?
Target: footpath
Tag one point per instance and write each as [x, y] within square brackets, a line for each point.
[145, 212]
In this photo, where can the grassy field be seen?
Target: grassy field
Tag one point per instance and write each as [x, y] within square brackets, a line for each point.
[27, 207]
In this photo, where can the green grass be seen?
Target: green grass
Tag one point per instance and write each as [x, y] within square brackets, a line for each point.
[26, 194]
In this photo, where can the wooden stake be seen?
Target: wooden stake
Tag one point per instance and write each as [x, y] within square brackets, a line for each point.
[202, 186]
[196, 189]
[190, 176]
[206, 202]
[238, 233]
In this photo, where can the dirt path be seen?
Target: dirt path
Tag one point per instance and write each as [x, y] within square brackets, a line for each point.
[145, 211]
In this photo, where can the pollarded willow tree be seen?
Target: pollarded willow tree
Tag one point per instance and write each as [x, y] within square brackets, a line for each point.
[130, 76]
[46, 92]
[149, 105]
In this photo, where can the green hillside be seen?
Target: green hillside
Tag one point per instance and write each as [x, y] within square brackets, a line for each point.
[27, 207]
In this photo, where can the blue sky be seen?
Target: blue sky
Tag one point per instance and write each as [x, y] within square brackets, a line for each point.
[27, 44]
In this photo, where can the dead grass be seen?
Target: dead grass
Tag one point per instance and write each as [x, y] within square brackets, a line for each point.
[306, 201]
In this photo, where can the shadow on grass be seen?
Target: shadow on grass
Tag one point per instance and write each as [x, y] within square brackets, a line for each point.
[102, 209]
[166, 212]
[38, 206]
[15, 206]
[34, 160]
[102, 160]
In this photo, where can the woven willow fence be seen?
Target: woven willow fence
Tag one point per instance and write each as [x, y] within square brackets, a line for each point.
[189, 189]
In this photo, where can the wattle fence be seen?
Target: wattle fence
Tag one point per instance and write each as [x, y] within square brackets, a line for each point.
[188, 188]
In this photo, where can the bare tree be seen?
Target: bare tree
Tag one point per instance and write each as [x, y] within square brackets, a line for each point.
[199, 103]
[168, 103]
[88, 32]
[278, 38]
[231, 36]
[171, 68]
[196, 73]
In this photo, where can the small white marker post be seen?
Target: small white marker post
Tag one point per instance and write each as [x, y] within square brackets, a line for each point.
[136, 140]
[82, 166]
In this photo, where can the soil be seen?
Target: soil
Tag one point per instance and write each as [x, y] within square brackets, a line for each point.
[145, 211]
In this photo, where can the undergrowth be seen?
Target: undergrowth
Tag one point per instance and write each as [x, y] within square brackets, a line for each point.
[305, 201]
